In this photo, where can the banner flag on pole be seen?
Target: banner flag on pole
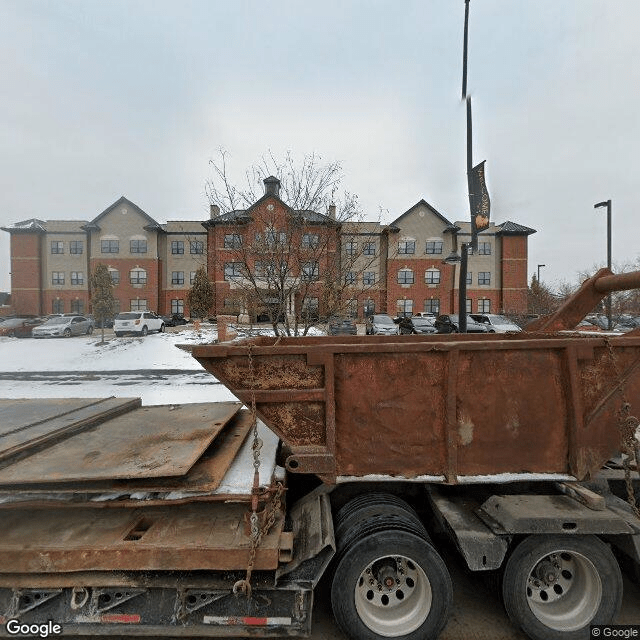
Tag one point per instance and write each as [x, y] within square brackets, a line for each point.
[480, 202]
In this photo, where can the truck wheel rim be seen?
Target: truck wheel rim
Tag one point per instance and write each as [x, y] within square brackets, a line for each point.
[393, 596]
[564, 590]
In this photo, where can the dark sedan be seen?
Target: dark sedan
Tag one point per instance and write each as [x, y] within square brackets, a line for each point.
[174, 320]
[423, 325]
[342, 326]
[449, 323]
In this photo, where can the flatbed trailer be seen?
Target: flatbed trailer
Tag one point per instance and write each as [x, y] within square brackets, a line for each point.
[152, 521]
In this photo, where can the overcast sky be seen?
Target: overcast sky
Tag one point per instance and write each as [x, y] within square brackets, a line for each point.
[103, 98]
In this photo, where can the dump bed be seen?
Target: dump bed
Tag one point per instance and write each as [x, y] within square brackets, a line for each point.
[443, 408]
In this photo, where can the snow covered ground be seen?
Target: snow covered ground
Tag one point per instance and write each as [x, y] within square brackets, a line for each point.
[152, 368]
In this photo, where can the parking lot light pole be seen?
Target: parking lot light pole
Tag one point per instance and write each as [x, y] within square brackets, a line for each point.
[607, 203]
[540, 265]
[463, 258]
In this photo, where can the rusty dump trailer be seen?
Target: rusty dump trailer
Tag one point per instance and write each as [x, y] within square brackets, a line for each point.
[119, 519]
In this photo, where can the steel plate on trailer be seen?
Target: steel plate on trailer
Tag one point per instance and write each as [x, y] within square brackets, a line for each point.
[180, 537]
[145, 443]
[28, 425]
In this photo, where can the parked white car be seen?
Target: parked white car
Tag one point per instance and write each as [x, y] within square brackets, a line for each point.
[64, 326]
[495, 322]
[140, 322]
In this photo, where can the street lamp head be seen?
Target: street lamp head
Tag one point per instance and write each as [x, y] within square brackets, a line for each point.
[602, 204]
[452, 258]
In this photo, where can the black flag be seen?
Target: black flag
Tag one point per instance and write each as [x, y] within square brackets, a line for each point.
[480, 202]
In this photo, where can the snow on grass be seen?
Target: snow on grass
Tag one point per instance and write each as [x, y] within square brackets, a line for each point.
[85, 353]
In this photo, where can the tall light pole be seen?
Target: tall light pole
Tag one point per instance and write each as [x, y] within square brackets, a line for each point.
[607, 203]
[540, 265]
[454, 258]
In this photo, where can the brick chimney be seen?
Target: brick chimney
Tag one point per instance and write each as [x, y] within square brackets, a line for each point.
[214, 211]
[332, 211]
[272, 186]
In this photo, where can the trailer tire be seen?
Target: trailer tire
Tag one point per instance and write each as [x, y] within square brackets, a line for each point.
[415, 597]
[583, 588]
[359, 511]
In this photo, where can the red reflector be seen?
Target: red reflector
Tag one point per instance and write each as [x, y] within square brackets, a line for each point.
[122, 618]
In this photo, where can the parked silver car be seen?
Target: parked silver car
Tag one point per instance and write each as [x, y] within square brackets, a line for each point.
[500, 324]
[381, 324]
[64, 327]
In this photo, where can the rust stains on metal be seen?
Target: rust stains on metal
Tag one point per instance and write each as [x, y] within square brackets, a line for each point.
[443, 405]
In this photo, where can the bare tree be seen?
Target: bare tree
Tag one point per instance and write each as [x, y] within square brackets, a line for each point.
[296, 270]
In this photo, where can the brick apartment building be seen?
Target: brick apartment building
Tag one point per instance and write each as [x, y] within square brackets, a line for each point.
[395, 268]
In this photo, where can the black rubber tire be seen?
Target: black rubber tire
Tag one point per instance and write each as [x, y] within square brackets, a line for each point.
[527, 555]
[360, 510]
[118, 334]
[89, 330]
[67, 333]
[144, 331]
[390, 544]
[162, 328]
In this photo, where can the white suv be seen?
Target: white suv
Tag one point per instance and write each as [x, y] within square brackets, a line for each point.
[140, 322]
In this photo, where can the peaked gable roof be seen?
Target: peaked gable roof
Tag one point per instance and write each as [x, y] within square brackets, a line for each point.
[240, 216]
[93, 225]
[509, 228]
[449, 225]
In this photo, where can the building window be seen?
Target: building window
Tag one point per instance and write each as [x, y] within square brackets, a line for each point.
[406, 247]
[369, 248]
[177, 306]
[77, 277]
[232, 270]
[469, 277]
[115, 276]
[177, 277]
[196, 246]
[484, 248]
[273, 238]
[177, 247]
[138, 276]
[192, 277]
[350, 277]
[404, 307]
[109, 246]
[137, 246]
[77, 306]
[232, 241]
[484, 277]
[310, 271]
[434, 247]
[369, 308]
[432, 306]
[57, 306]
[57, 247]
[432, 276]
[351, 248]
[310, 308]
[76, 247]
[57, 277]
[405, 276]
[310, 241]
[231, 306]
[369, 277]
[484, 306]
[468, 305]
[138, 305]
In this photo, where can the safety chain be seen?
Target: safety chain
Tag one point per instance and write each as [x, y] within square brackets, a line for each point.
[627, 425]
[244, 586]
